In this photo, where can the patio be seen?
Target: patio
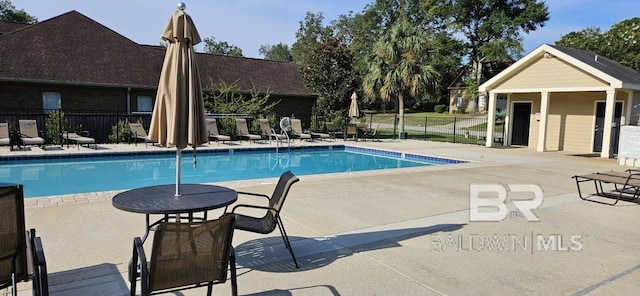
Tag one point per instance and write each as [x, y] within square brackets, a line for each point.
[394, 232]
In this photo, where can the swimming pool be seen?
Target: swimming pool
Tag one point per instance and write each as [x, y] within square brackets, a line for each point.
[46, 176]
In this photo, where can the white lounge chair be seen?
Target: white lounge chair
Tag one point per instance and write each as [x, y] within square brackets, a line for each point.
[29, 134]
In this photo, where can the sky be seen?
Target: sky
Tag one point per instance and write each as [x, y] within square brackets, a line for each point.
[249, 24]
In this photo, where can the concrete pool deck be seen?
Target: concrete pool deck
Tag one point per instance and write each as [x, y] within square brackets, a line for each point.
[392, 232]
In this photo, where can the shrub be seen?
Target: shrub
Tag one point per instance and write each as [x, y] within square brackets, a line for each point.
[120, 132]
[55, 124]
[440, 108]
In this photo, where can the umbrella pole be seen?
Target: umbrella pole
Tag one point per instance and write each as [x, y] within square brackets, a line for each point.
[178, 165]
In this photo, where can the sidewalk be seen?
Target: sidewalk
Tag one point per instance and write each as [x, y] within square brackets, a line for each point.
[392, 232]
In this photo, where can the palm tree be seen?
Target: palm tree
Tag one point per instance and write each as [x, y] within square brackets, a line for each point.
[398, 67]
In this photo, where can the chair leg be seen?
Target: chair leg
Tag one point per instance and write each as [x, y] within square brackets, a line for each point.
[283, 233]
[232, 266]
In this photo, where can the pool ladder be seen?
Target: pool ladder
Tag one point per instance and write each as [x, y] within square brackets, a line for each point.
[273, 131]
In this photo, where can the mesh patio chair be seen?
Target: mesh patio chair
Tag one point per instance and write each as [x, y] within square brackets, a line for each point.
[332, 130]
[186, 256]
[21, 254]
[243, 130]
[296, 129]
[268, 132]
[212, 131]
[138, 133]
[267, 223]
[29, 134]
[78, 139]
[5, 137]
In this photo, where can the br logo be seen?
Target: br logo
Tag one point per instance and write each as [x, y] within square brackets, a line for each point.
[491, 206]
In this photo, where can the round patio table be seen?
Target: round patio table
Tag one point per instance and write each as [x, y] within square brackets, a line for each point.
[161, 199]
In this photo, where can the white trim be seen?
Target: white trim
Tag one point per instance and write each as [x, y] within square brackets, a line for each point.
[545, 101]
[553, 89]
[554, 53]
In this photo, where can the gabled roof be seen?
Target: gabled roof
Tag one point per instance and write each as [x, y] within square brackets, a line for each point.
[613, 73]
[74, 49]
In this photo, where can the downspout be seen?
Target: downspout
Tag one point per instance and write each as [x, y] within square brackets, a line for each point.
[128, 100]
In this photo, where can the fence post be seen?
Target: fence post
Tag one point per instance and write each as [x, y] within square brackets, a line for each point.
[59, 126]
[117, 127]
[454, 129]
[425, 127]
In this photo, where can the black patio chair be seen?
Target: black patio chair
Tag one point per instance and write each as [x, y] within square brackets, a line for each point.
[267, 223]
[21, 253]
[185, 256]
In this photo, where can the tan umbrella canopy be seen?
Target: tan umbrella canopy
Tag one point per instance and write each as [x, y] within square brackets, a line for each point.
[354, 111]
[178, 115]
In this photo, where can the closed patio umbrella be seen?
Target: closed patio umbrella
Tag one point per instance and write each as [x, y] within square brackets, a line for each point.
[354, 111]
[178, 115]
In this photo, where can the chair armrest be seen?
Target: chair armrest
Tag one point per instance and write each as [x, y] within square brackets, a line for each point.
[139, 257]
[252, 207]
[254, 194]
[40, 278]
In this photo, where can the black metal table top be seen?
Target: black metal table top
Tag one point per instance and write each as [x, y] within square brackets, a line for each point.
[161, 199]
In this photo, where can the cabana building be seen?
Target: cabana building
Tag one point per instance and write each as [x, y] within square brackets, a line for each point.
[565, 99]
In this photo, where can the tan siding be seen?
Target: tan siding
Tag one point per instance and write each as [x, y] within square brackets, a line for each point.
[571, 123]
[550, 73]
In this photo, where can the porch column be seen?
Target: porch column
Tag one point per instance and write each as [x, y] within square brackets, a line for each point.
[608, 119]
[544, 111]
[491, 119]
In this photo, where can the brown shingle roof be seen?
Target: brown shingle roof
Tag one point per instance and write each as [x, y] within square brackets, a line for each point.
[74, 49]
[6, 27]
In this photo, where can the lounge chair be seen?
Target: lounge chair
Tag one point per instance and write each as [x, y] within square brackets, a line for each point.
[351, 132]
[5, 137]
[79, 140]
[296, 130]
[372, 134]
[21, 254]
[138, 132]
[267, 223]
[185, 256]
[29, 134]
[332, 130]
[243, 130]
[212, 131]
[626, 185]
[270, 133]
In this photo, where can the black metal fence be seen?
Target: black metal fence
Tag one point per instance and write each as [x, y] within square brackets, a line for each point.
[99, 125]
[468, 130]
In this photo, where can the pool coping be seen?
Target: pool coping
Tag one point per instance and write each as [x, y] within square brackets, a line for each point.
[8, 159]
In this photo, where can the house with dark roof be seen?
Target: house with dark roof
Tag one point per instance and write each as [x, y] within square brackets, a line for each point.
[565, 99]
[75, 63]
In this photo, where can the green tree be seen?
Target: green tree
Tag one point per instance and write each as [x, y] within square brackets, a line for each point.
[492, 29]
[9, 13]
[398, 69]
[221, 47]
[278, 52]
[332, 76]
[310, 33]
[589, 39]
[620, 43]
[229, 99]
[361, 30]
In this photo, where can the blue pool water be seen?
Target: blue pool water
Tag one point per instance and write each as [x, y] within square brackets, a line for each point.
[68, 175]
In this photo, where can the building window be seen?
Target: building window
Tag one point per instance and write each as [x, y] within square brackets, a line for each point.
[145, 104]
[51, 101]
